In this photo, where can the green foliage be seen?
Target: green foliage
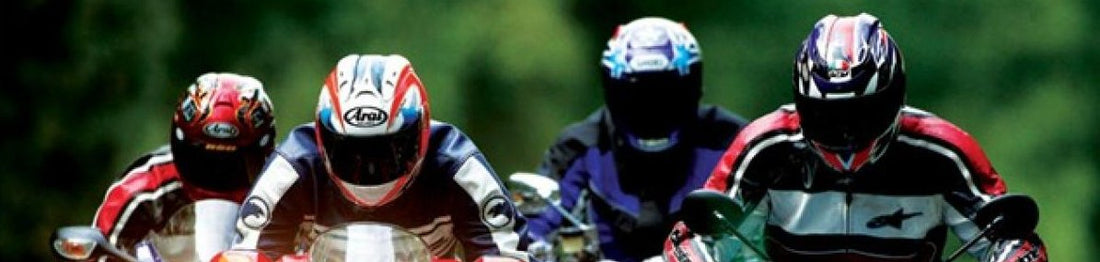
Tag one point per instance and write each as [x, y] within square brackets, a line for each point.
[94, 81]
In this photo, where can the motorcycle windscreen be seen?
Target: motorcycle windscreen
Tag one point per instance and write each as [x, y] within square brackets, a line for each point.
[368, 242]
[190, 237]
[175, 241]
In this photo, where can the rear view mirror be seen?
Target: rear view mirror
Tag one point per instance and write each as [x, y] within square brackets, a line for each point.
[82, 243]
[1010, 215]
[710, 212]
[533, 193]
[1007, 216]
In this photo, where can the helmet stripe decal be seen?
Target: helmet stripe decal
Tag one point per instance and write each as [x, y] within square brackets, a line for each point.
[330, 85]
[404, 82]
[872, 85]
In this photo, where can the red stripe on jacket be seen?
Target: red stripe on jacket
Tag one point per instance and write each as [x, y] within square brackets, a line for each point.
[121, 194]
[982, 172]
[782, 119]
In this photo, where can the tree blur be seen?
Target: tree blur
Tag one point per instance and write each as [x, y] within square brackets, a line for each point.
[90, 84]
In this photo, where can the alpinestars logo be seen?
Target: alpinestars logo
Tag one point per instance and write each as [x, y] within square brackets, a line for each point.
[496, 212]
[255, 213]
[893, 220]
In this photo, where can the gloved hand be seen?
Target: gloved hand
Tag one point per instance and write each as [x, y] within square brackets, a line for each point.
[541, 251]
[1030, 249]
[682, 245]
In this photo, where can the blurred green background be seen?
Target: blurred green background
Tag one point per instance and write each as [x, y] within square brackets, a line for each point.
[89, 85]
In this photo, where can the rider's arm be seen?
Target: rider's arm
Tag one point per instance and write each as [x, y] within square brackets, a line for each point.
[573, 181]
[972, 182]
[963, 201]
[486, 221]
[270, 216]
[737, 175]
[734, 172]
[559, 158]
[564, 162]
[133, 205]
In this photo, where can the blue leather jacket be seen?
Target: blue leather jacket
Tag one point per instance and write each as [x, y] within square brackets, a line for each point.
[633, 197]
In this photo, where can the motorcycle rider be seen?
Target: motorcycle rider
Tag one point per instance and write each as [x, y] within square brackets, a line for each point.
[374, 154]
[222, 130]
[849, 172]
[646, 149]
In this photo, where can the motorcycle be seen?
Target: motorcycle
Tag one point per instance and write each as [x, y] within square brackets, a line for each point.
[574, 241]
[716, 219]
[184, 237]
[369, 241]
[356, 242]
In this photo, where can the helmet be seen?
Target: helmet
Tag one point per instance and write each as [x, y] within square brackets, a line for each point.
[222, 131]
[372, 126]
[652, 81]
[849, 88]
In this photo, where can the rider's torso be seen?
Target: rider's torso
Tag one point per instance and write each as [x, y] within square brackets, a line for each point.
[422, 210]
[897, 209]
[634, 196]
[894, 209]
[454, 202]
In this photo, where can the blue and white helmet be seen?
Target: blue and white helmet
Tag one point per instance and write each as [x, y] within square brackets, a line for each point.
[372, 125]
[652, 75]
[651, 45]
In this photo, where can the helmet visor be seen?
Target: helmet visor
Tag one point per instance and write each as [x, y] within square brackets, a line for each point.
[217, 170]
[371, 160]
[847, 125]
[652, 105]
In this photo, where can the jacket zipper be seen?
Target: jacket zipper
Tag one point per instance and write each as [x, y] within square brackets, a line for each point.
[848, 215]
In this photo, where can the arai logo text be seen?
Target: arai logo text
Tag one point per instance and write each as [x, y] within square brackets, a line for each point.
[220, 130]
[365, 116]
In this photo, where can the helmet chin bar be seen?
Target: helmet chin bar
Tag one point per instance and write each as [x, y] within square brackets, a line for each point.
[845, 161]
[653, 145]
[850, 161]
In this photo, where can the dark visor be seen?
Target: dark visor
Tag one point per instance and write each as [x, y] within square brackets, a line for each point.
[371, 160]
[651, 105]
[216, 170]
[847, 124]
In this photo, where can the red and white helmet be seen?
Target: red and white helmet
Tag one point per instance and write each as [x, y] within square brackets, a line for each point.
[222, 131]
[372, 126]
